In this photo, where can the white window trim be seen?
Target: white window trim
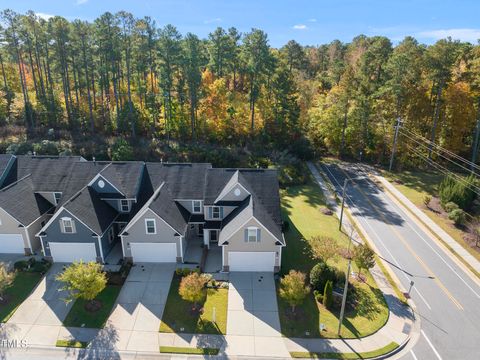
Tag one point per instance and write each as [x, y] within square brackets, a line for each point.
[199, 202]
[213, 212]
[154, 226]
[255, 229]
[121, 205]
[63, 220]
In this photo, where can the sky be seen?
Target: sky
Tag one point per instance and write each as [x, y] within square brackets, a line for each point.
[311, 22]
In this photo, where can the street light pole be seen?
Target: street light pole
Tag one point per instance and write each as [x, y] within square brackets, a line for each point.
[345, 287]
[343, 203]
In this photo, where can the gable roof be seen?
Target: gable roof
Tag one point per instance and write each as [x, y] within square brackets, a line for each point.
[6, 163]
[125, 176]
[167, 208]
[19, 200]
[87, 206]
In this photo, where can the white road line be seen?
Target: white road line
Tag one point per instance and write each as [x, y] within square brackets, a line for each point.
[431, 345]
[381, 242]
[431, 247]
[413, 355]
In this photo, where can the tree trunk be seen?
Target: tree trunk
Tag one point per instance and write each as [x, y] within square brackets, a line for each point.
[435, 117]
[475, 140]
[344, 129]
[85, 64]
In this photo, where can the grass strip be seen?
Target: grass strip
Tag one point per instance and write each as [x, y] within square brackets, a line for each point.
[188, 350]
[346, 356]
[72, 344]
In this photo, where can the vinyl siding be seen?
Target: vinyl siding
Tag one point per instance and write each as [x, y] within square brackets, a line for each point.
[11, 226]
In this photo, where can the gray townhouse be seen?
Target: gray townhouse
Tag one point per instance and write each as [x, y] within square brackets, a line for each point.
[69, 209]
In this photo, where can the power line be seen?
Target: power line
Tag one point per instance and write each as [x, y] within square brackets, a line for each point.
[452, 154]
[438, 153]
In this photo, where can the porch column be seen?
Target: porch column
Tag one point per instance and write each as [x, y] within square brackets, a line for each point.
[206, 237]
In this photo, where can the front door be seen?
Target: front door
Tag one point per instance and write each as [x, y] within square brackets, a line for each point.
[213, 236]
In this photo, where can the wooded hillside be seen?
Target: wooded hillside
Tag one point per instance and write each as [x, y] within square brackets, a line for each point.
[83, 85]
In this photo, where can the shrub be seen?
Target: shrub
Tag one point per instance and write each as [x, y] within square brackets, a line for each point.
[320, 274]
[46, 147]
[340, 277]
[328, 295]
[192, 288]
[364, 257]
[457, 216]
[122, 150]
[450, 206]
[318, 296]
[426, 200]
[285, 225]
[20, 265]
[459, 192]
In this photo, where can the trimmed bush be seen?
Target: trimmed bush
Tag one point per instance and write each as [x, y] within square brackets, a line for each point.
[328, 295]
[20, 265]
[320, 274]
[459, 192]
[449, 207]
[457, 216]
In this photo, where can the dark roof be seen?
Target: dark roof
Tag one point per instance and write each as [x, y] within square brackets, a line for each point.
[87, 206]
[184, 180]
[19, 200]
[125, 176]
[164, 206]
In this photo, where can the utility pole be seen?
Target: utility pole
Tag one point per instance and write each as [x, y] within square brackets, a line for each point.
[475, 143]
[345, 287]
[343, 203]
[397, 128]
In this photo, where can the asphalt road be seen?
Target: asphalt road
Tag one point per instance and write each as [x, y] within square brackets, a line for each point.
[446, 298]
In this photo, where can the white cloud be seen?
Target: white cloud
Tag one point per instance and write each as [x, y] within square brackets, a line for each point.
[312, 20]
[211, 21]
[44, 16]
[300, 27]
[81, 2]
[471, 35]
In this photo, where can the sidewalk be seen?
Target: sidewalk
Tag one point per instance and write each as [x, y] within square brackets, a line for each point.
[429, 223]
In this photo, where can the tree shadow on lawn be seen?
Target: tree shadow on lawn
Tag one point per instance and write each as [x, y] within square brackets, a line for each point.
[423, 181]
[102, 347]
[311, 191]
[179, 316]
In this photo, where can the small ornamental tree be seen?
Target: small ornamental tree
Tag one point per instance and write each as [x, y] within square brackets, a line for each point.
[6, 279]
[324, 248]
[293, 289]
[192, 288]
[83, 281]
[328, 295]
[364, 257]
[426, 201]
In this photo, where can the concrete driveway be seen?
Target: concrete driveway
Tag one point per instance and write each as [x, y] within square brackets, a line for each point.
[135, 319]
[39, 318]
[253, 326]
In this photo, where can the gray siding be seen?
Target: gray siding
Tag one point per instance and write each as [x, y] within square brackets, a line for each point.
[188, 204]
[137, 233]
[107, 189]
[34, 228]
[11, 226]
[237, 242]
[54, 234]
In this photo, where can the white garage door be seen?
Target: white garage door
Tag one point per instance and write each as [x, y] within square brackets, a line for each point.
[251, 261]
[69, 252]
[11, 244]
[154, 252]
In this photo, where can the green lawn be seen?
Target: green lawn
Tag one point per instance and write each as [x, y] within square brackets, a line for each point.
[187, 350]
[17, 292]
[301, 205]
[80, 317]
[178, 315]
[415, 185]
[347, 356]
[71, 343]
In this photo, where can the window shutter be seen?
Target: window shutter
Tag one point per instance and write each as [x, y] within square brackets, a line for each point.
[73, 227]
[258, 235]
[210, 212]
[246, 235]
[62, 228]
[221, 212]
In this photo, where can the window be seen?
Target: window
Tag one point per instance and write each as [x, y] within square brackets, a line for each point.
[124, 205]
[111, 235]
[67, 225]
[57, 197]
[150, 226]
[215, 212]
[197, 206]
[252, 234]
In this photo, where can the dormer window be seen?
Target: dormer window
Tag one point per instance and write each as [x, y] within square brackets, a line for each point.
[196, 206]
[150, 226]
[124, 205]
[57, 196]
[252, 234]
[67, 225]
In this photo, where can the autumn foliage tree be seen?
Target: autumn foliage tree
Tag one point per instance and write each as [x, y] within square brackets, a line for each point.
[324, 248]
[192, 288]
[293, 288]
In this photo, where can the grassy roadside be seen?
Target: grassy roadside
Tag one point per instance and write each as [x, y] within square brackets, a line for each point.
[347, 356]
[187, 350]
[72, 344]
[302, 206]
[415, 193]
